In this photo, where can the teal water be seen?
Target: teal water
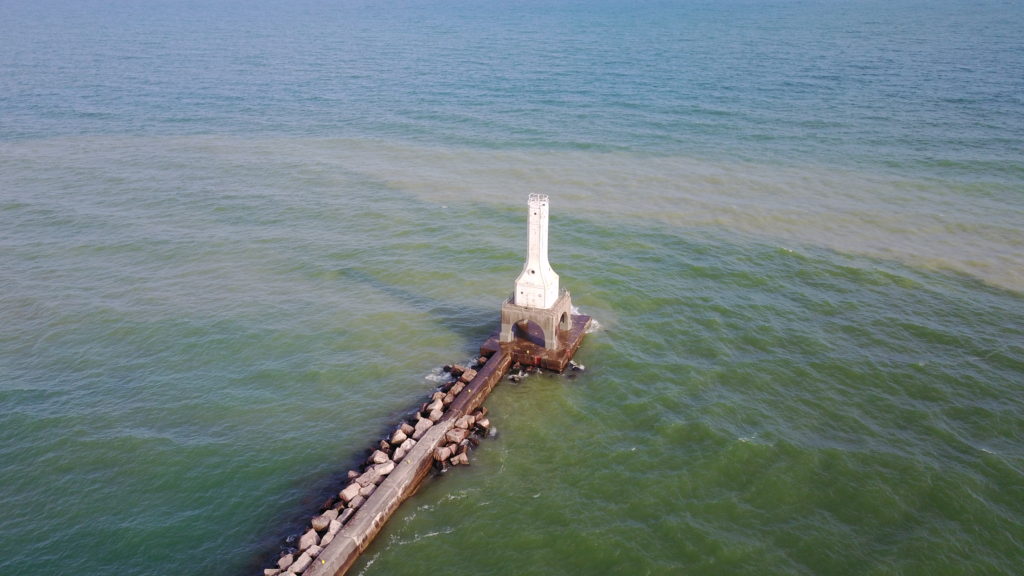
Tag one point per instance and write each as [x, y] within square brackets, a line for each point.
[236, 239]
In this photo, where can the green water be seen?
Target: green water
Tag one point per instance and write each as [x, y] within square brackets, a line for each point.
[238, 239]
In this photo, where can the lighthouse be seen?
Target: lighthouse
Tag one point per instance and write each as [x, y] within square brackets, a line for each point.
[537, 284]
[537, 298]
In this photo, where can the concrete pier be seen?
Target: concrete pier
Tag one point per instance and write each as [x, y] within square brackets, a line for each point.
[360, 530]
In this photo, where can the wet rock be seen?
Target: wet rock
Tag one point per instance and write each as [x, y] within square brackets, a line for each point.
[369, 478]
[456, 435]
[457, 370]
[379, 457]
[422, 425]
[460, 459]
[483, 424]
[457, 388]
[442, 453]
[384, 468]
[308, 539]
[465, 422]
[350, 492]
[468, 376]
[321, 522]
[374, 474]
[353, 474]
[398, 437]
[437, 395]
[402, 450]
[301, 563]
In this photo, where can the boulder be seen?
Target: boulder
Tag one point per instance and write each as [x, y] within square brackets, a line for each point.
[321, 522]
[407, 428]
[345, 515]
[448, 399]
[435, 405]
[436, 415]
[457, 388]
[374, 474]
[335, 526]
[457, 370]
[285, 561]
[442, 453]
[422, 425]
[437, 395]
[308, 539]
[315, 550]
[460, 459]
[350, 492]
[483, 424]
[379, 457]
[456, 435]
[468, 376]
[398, 437]
[464, 422]
[385, 468]
[353, 474]
[327, 539]
[365, 491]
[301, 563]
[399, 454]
[356, 502]
[271, 571]
[369, 478]
[402, 450]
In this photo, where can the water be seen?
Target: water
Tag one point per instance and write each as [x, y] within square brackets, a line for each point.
[236, 238]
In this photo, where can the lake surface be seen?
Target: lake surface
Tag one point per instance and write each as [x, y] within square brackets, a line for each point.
[238, 239]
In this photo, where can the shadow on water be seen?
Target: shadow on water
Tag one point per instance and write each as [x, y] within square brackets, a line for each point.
[470, 322]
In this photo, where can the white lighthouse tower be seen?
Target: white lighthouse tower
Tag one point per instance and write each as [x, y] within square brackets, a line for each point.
[537, 297]
[537, 284]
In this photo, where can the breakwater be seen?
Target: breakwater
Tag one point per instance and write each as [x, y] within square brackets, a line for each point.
[440, 433]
